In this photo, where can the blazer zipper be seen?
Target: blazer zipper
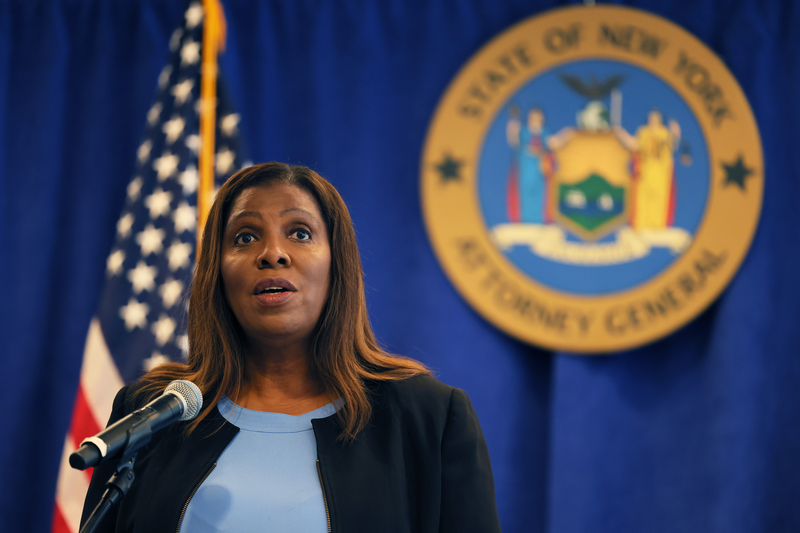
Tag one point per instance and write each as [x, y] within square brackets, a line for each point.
[186, 505]
[324, 497]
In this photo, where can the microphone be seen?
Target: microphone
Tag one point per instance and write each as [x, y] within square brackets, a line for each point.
[181, 401]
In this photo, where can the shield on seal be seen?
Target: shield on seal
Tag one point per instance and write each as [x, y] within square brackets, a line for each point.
[592, 181]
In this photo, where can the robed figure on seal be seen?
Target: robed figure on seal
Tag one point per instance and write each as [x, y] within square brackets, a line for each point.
[653, 194]
[532, 166]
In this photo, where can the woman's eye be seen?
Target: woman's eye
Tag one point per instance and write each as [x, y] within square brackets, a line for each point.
[302, 234]
[244, 238]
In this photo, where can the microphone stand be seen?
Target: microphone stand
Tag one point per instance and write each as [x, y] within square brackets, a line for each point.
[116, 489]
[138, 432]
[137, 436]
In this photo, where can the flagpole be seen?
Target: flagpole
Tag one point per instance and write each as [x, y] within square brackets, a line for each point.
[213, 42]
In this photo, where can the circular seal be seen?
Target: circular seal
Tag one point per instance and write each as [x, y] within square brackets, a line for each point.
[592, 179]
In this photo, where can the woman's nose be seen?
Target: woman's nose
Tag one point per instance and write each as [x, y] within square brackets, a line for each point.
[273, 254]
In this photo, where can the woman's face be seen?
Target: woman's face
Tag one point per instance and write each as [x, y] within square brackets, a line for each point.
[276, 261]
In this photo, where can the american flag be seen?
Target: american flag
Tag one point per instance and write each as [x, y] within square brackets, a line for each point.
[141, 319]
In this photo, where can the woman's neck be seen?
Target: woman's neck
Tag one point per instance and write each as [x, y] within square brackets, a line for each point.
[280, 381]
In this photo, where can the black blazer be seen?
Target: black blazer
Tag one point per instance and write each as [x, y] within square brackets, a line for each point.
[421, 465]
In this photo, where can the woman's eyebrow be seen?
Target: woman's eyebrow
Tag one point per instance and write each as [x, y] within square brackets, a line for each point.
[298, 209]
[256, 214]
[242, 214]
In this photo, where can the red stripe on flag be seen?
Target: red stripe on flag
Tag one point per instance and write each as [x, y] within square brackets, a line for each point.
[83, 424]
[59, 524]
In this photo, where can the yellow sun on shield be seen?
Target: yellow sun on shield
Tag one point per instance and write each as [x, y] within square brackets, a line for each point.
[591, 183]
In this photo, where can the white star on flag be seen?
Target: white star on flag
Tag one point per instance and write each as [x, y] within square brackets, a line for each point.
[158, 203]
[166, 165]
[182, 91]
[188, 180]
[143, 277]
[155, 113]
[194, 16]
[150, 240]
[182, 341]
[175, 39]
[193, 143]
[124, 225]
[178, 255]
[134, 188]
[190, 53]
[185, 217]
[153, 361]
[144, 151]
[114, 262]
[224, 161]
[173, 129]
[229, 123]
[163, 329]
[163, 78]
[170, 291]
[134, 314]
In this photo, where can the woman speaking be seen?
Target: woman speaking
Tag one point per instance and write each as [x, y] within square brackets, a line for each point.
[307, 425]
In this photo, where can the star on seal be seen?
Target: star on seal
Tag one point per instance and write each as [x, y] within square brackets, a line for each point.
[737, 173]
[449, 169]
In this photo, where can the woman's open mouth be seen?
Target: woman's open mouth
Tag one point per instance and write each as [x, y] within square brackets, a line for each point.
[273, 291]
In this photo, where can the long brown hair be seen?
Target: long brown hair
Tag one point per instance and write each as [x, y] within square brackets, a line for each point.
[344, 352]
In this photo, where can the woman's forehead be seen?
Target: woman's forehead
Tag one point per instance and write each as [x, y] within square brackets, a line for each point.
[275, 198]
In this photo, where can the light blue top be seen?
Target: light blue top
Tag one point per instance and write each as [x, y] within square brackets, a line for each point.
[265, 480]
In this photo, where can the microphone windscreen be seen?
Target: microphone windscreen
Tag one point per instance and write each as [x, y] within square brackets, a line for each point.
[191, 395]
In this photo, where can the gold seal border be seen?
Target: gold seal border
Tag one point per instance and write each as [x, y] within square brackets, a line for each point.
[510, 299]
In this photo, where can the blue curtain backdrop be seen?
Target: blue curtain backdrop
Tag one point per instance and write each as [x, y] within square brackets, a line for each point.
[699, 432]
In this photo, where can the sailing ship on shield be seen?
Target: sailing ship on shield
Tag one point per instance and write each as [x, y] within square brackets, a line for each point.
[612, 191]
